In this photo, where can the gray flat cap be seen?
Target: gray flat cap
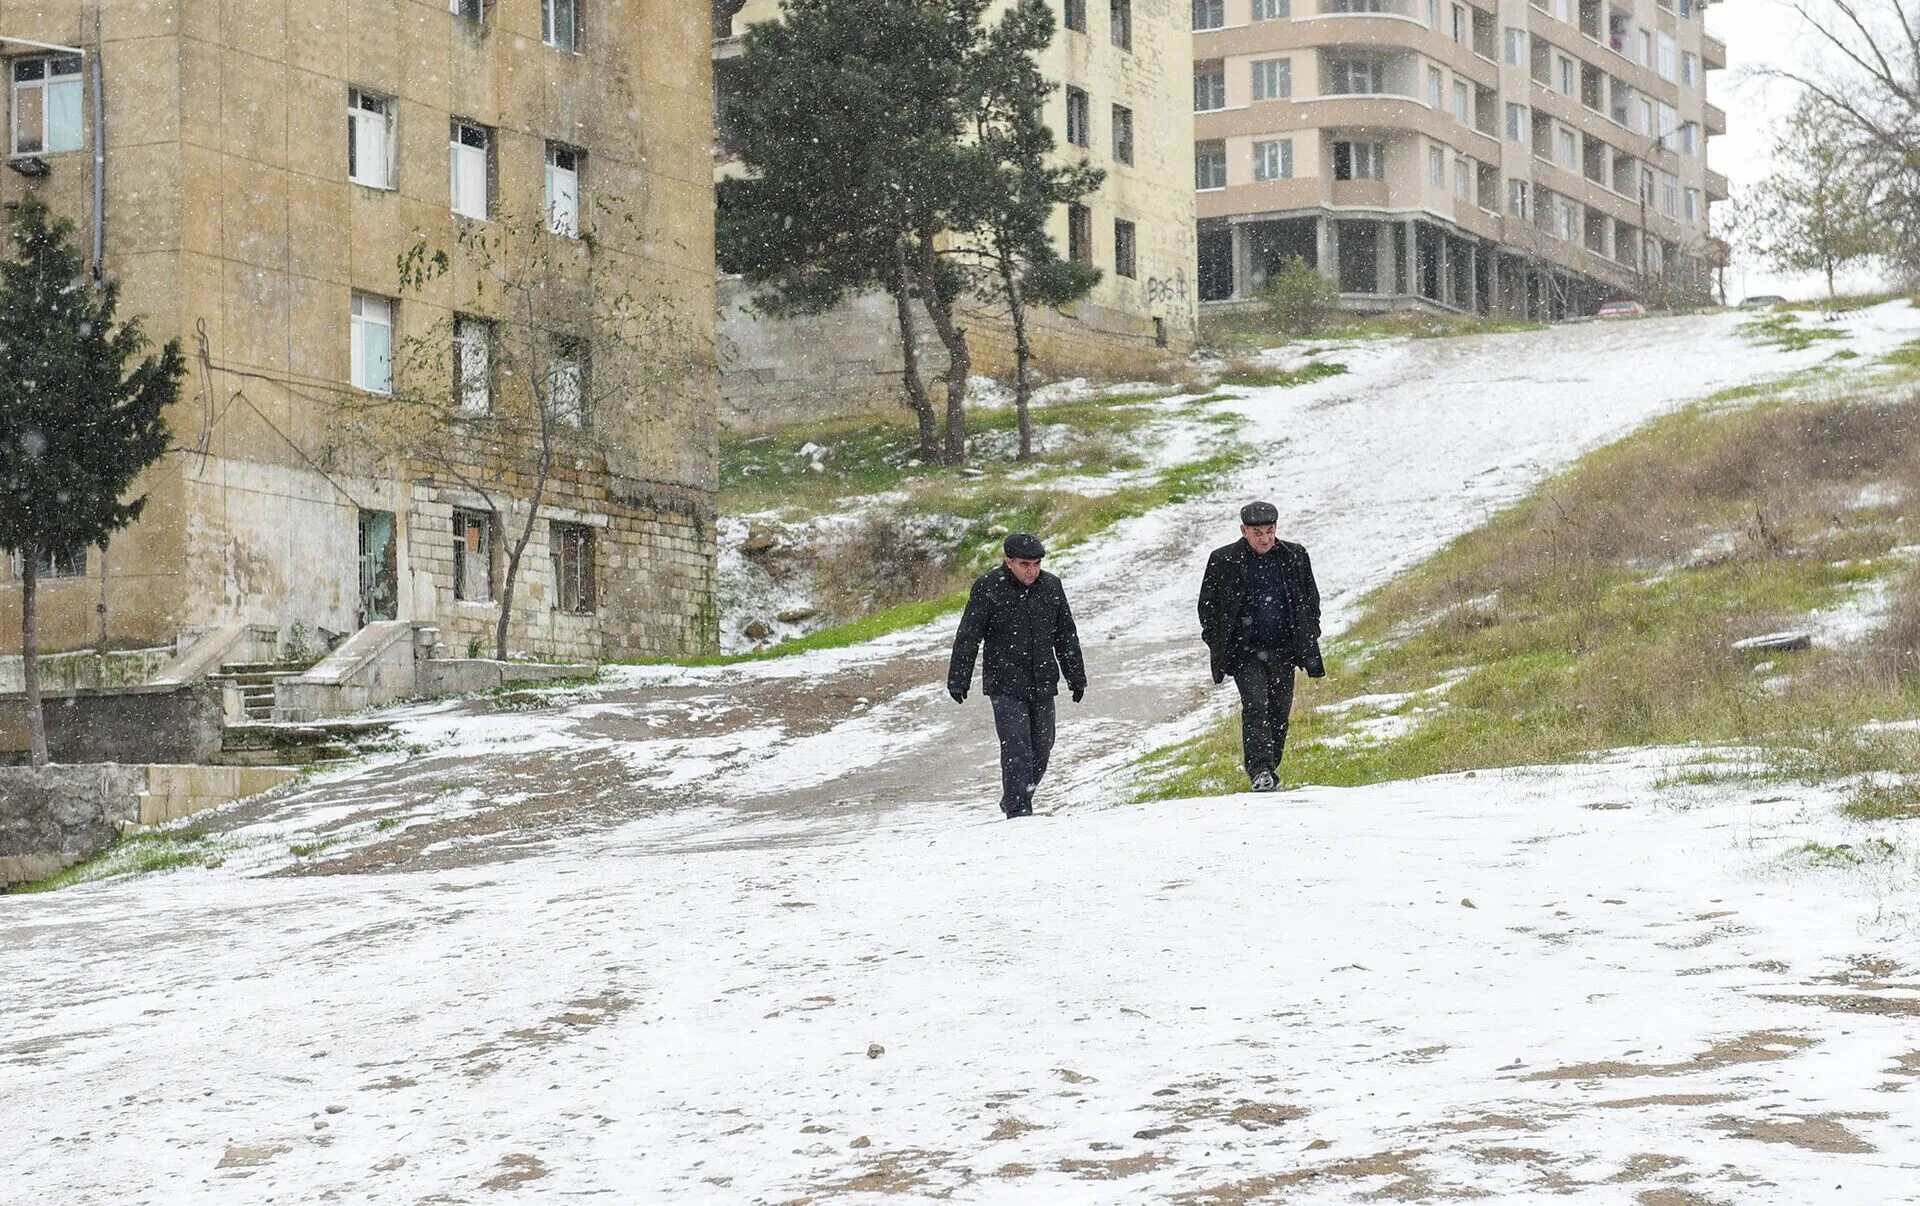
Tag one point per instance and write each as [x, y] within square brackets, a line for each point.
[1259, 514]
[1024, 546]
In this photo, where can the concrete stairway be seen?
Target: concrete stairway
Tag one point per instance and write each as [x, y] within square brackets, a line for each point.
[256, 682]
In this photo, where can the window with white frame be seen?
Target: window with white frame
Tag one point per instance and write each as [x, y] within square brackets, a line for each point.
[1566, 149]
[1516, 123]
[1462, 27]
[1646, 48]
[1355, 77]
[1209, 166]
[1359, 160]
[370, 355]
[1272, 79]
[1669, 122]
[472, 10]
[1124, 249]
[369, 138]
[563, 189]
[46, 104]
[1436, 167]
[1354, 6]
[472, 555]
[1646, 117]
[1517, 198]
[1436, 88]
[1462, 177]
[472, 364]
[1516, 43]
[1462, 104]
[1693, 205]
[1272, 10]
[1209, 87]
[1569, 221]
[1563, 9]
[1689, 138]
[1433, 14]
[470, 150]
[1273, 159]
[1689, 68]
[1670, 195]
[1122, 134]
[567, 383]
[1669, 65]
[1209, 14]
[572, 547]
[560, 24]
[1079, 117]
[1569, 77]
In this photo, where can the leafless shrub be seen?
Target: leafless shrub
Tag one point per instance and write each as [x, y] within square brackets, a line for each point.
[878, 563]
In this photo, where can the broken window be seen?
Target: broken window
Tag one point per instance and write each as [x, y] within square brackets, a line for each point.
[563, 189]
[572, 545]
[70, 562]
[46, 105]
[470, 150]
[369, 138]
[1122, 134]
[1120, 23]
[472, 555]
[473, 365]
[567, 383]
[1123, 248]
[371, 354]
[1079, 234]
[1079, 118]
[560, 24]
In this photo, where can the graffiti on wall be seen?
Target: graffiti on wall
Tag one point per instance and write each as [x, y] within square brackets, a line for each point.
[1168, 290]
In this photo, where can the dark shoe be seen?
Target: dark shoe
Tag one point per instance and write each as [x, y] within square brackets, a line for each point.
[1264, 781]
[1025, 810]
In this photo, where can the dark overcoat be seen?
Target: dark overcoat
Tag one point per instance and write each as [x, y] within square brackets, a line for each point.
[1223, 593]
[1028, 634]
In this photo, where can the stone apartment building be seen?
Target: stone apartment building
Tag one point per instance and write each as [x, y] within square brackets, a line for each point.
[251, 173]
[1122, 104]
[1530, 157]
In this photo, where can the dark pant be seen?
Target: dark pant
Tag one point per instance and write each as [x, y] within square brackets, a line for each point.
[1266, 699]
[1026, 738]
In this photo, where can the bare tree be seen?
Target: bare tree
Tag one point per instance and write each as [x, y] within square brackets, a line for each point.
[535, 384]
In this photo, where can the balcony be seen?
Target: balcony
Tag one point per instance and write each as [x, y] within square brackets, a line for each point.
[1713, 52]
[1409, 10]
[1716, 186]
[1716, 121]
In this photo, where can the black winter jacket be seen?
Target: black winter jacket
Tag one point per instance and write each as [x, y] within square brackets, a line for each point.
[1223, 592]
[1029, 635]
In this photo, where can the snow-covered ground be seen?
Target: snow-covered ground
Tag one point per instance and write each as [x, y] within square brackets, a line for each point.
[755, 933]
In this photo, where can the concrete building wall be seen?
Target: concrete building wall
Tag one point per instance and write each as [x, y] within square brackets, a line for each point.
[231, 223]
[1563, 74]
[848, 361]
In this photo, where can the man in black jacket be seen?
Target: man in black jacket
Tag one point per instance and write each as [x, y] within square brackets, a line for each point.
[1260, 618]
[1020, 613]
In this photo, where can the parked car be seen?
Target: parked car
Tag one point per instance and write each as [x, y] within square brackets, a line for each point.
[1761, 299]
[1622, 307]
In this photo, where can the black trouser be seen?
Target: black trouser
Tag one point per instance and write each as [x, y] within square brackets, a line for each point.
[1265, 680]
[1026, 738]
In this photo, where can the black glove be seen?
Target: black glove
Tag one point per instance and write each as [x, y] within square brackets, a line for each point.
[1312, 662]
[1218, 678]
[959, 694]
[1078, 692]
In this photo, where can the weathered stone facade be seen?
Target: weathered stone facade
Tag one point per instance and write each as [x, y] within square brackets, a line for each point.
[1138, 319]
[230, 221]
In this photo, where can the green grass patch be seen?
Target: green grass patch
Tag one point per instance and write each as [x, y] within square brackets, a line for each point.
[1784, 330]
[1252, 330]
[1884, 802]
[1317, 371]
[1600, 613]
[1907, 355]
[1840, 305]
[147, 852]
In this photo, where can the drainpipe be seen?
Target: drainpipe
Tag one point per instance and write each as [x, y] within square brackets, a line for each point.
[99, 158]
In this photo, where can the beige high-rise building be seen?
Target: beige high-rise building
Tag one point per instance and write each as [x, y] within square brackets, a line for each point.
[262, 167]
[1482, 156]
[1122, 104]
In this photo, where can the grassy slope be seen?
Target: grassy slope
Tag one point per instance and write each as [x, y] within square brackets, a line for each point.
[1599, 612]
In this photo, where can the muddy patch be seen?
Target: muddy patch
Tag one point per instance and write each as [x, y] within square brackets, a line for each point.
[1886, 1007]
[1406, 1183]
[1758, 1047]
[1112, 1170]
[1011, 1128]
[581, 1013]
[1666, 1099]
[516, 1170]
[1812, 1132]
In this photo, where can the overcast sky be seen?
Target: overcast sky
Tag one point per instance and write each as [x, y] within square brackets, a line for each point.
[1758, 33]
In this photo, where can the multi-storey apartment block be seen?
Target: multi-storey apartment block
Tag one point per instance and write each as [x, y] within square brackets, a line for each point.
[1521, 156]
[251, 175]
[1122, 104]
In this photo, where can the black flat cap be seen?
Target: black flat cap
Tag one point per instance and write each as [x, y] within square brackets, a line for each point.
[1024, 546]
[1259, 514]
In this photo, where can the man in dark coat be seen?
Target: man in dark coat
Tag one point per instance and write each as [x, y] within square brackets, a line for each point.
[1019, 612]
[1260, 618]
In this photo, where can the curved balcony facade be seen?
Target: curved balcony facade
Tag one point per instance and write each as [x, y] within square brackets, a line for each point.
[1562, 146]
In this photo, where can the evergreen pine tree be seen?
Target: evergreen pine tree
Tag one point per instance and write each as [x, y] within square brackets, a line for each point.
[81, 414]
